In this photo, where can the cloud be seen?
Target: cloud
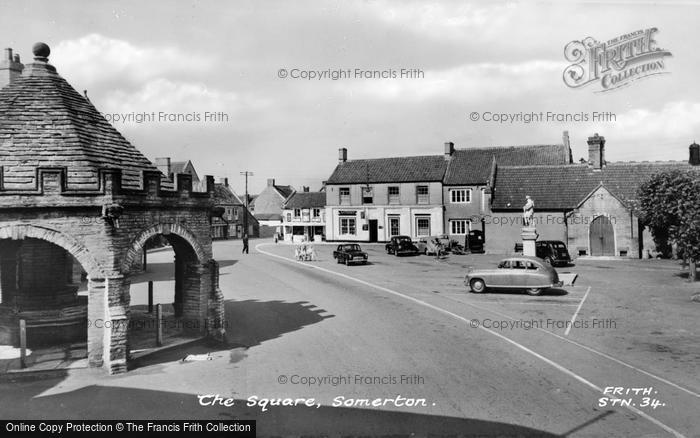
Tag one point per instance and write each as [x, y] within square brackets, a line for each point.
[468, 82]
[96, 61]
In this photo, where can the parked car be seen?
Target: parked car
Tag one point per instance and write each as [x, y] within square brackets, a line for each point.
[521, 272]
[553, 252]
[401, 245]
[350, 253]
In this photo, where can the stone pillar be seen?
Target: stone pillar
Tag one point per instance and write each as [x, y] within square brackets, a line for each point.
[108, 320]
[216, 327]
[97, 313]
[529, 236]
[196, 288]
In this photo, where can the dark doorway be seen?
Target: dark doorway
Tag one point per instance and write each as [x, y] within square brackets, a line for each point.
[373, 230]
[602, 237]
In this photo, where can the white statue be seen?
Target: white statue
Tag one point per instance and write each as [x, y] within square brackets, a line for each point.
[528, 211]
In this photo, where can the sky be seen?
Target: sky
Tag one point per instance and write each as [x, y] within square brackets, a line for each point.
[189, 58]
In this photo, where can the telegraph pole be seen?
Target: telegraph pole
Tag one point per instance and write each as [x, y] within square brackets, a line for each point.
[246, 173]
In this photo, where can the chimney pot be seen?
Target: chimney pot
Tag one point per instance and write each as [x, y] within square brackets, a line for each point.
[694, 159]
[10, 68]
[596, 151]
[449, 149]
[305, 189]
[342, 155]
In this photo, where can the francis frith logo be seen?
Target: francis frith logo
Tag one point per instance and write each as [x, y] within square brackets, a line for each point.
[614, 63]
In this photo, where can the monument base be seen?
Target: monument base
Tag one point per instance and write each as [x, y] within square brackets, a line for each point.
[529, 236]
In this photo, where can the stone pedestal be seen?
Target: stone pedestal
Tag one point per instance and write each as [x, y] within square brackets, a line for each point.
[529, 236]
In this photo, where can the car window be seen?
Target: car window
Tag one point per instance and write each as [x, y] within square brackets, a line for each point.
[505, 264]
[530, 265]
[518, 264]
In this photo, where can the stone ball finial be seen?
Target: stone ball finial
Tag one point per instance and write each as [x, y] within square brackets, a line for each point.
[41, 50]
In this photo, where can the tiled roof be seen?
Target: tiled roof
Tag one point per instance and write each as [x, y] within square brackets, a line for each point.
[384, 170]
[473, 165]
[44, 121]
[268, 216]
[285, 191]
[306, 200]
[564, 187]
[181, 166]
[224, 195]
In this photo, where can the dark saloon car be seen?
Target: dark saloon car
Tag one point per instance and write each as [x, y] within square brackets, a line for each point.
[519, 272]
[350, 253]
[401, 245]
[553, 252]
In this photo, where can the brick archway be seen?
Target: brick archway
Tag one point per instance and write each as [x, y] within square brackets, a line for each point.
[138, 243]
[65, 241]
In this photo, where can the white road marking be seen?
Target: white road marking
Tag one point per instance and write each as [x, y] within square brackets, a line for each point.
[592, 350]
[573, 318]
[494, 333]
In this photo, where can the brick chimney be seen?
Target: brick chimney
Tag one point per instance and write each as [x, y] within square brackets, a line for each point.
[596, 151]
[342, 155]
[305, 189]
[270, 182]
[163, 164]
[10, 68]
[694, 158]
[449, 149]
[223, 182]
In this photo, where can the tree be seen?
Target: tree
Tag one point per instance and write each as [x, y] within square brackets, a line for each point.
[669, 203]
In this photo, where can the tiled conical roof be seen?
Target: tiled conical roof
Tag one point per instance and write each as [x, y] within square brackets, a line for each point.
[45, 122]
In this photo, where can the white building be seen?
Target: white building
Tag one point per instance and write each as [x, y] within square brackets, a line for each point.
[375, 199]
[304, 216]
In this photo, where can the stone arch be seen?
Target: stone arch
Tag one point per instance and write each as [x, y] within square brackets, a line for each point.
[138, 243]
[65, 241]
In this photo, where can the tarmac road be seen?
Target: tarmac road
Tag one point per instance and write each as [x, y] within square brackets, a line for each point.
[300, 332]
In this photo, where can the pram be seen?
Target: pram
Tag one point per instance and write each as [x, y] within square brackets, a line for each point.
[305, 252]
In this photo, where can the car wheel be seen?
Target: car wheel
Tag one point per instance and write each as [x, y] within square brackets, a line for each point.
[548, 260]
[477, 285]
[534, 291]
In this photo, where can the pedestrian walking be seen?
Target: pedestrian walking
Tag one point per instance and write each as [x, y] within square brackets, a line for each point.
[276, 238]
[245, 243]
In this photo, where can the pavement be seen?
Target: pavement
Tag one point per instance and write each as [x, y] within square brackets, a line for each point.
[404, 330]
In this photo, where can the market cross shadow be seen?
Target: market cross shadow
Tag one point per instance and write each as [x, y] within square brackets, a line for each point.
[248, 323]
[118, 403]
[252, 322]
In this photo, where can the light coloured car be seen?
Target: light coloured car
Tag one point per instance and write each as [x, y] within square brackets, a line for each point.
[518, 272]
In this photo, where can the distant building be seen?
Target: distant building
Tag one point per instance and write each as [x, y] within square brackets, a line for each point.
[304, 216]
[267, 207]
[231, 224]
[466, 190]
[372, 200]
[170, 168]
[589, 205]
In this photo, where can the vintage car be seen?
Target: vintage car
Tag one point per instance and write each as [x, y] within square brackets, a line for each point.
[401, 245]
[553, 252]
[349, 253]
[519, 272]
